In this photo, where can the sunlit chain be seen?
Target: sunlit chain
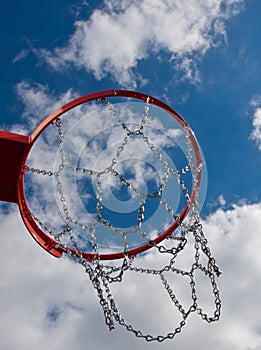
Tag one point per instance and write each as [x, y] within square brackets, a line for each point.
[103, 274]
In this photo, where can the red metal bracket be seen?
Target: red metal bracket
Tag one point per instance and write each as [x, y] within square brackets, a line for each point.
[13, 147]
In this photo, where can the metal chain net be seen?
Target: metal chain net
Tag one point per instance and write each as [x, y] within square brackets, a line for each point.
[103, 274]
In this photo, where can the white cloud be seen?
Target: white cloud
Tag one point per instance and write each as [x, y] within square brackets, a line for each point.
[256, 132]
[38, 103]
[49, 303]
[236, 242]
[21, 55]
[256, 101]
[221, 200]
[121, 34]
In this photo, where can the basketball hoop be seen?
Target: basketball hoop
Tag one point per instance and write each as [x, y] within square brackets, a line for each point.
[126, 174]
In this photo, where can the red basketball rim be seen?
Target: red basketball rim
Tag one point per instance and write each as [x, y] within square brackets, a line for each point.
[44, 239]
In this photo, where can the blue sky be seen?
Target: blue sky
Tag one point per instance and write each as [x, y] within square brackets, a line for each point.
[204, 59]
[217, 107]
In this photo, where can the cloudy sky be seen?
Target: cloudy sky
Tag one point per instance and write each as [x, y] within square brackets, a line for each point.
[201, 57]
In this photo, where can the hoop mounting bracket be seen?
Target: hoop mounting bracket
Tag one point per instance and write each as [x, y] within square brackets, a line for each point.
[13, 148]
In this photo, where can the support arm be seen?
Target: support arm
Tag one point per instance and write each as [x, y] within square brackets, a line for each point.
[13, 148]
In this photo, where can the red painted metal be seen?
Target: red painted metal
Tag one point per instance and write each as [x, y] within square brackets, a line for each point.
[15, 148]
[12, 150]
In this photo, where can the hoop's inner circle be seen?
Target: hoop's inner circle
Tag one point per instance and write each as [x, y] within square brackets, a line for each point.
[112, 176]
